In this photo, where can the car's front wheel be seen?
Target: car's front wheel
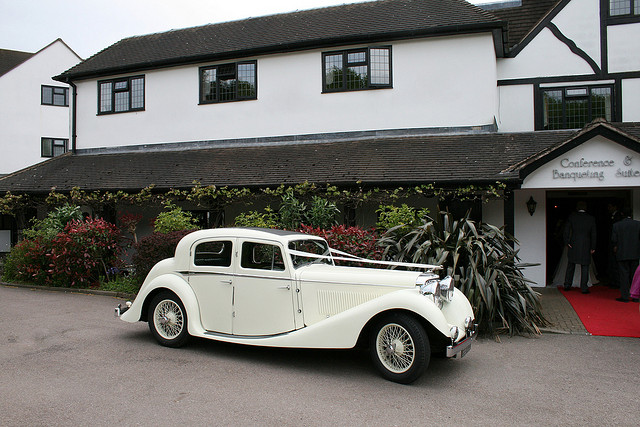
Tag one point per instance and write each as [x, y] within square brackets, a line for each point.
[399, 348]
[168, 320]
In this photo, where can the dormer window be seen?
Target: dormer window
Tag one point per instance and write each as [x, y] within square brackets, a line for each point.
[228, 82]
[356, 69]
[121, 95]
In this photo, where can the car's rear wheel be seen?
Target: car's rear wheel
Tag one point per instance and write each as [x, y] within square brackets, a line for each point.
[399, 348]
[168, 320]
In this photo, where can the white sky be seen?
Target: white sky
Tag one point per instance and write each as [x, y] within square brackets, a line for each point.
[89, 26]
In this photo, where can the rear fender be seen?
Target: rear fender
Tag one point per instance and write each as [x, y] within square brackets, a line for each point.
[173, 283]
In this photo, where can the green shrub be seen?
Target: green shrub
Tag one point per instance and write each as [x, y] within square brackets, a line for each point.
[268, 219]
[390, 216]
[174, 219]
[321, 213]
[53, 223]
[120, 283]
[291, 211]
[486, 267]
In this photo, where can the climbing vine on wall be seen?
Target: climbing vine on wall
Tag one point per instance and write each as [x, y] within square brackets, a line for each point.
[211, 196]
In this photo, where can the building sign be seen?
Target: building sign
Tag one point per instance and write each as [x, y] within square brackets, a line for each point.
[592, 164]
[576, 169]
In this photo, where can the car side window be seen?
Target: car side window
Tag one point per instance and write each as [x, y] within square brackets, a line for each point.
[261, 256]
[214, 254]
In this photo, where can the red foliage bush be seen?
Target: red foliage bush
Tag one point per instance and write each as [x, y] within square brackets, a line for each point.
[75, 257]
[154, 248]
[352, 240]
[82, 253]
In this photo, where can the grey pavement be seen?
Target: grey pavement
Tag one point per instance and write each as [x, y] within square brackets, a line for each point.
[65, 360]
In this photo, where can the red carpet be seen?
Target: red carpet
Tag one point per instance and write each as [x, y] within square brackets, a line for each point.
[601, 314]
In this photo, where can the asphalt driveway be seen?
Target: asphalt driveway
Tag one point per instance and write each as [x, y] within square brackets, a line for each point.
[65, 359]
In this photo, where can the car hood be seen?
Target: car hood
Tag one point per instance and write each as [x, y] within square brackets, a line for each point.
[357, 275]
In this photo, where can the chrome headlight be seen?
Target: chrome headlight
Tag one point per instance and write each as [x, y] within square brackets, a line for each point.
[439, 290]
[447, 288]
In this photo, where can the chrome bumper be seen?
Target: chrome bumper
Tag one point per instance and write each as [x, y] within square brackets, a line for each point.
[463, 347]
[120, 310]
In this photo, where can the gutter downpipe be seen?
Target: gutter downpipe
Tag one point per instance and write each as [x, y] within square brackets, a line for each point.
[74, 98]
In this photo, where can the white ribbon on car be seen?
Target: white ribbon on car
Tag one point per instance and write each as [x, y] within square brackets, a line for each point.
[352, 258]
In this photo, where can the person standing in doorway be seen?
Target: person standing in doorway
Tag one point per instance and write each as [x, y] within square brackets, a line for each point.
[580, 238]
[625, 237]
[615, 215]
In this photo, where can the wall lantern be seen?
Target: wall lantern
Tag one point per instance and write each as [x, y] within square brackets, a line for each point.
[531, 205]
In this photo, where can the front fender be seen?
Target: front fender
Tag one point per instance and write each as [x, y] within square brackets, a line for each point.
[176, 284]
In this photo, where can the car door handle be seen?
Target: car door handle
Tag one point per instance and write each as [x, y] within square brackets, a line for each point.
[228, 282]
[288, 287]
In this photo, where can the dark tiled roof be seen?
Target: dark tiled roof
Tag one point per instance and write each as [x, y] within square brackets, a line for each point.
[391, 161]
[367, 22]
[522, 19]
[440, 159]
[9, 59]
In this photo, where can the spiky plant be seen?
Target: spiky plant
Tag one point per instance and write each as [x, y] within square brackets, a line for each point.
[485, 265]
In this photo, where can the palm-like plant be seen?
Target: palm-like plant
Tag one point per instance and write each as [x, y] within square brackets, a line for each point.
[485, 265]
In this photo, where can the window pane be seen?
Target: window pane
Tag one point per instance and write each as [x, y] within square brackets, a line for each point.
[208, 84]
[379, 59]
[47, 95]
[552, 109]
[619, 7]
[227, 82]
[577, 113]
[137, 93]
[601, 103]
[247, 80]
[59, 147]
[333, 71]
[637, 7]
[59, 96]
[357, 77]
[105, 96]
[47, 147]
[121, 101]
[356, 57]
[217, 254]
[261, 256]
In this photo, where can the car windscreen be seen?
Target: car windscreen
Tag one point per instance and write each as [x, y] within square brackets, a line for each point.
[311, 247]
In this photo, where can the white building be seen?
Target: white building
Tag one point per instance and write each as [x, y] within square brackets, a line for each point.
[388, 93]
[34, 108]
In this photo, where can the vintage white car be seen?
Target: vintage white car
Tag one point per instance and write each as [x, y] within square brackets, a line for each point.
[282, 289]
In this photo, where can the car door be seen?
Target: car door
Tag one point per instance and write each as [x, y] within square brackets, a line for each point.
[264, 292]
[211, 278]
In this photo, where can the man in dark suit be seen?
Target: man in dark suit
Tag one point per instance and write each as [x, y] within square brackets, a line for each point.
[580, 238]
[625, 237]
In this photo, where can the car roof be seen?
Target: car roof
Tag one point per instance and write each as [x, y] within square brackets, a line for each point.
[282, 236]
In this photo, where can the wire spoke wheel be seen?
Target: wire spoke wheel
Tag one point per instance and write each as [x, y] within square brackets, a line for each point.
[168, 320]
[395, 348]
[400, 347]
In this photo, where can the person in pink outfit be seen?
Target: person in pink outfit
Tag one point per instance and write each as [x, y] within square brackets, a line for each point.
[634, 292]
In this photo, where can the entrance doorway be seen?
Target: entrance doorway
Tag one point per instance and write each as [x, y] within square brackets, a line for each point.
[561, 203]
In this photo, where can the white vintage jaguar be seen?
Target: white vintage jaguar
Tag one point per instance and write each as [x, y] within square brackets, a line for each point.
[282, 289]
